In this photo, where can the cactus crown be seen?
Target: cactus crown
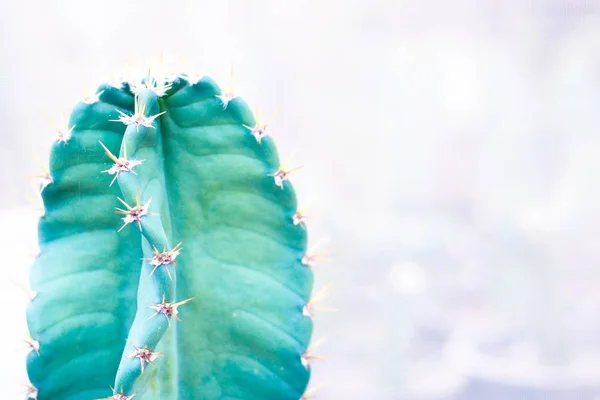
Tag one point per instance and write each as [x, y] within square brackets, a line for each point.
[173, 258]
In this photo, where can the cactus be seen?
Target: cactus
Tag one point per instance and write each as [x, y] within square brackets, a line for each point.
[173, 261]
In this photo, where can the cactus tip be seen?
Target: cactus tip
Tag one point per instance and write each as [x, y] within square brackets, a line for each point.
[145, 355]
[307, 357]
[62, 134]
[34, 345]
[259, 130]
[158, 87]
[225, 98]
[30, 293]
[311, 256]
[308, 309]
[229, 94]
[165, 258]
[134, 214]
[46, 178]
[91, 98]
[31, 392]
[121, 164]
[282, 174]
[299, 218]
[137, 118]
[168, 309]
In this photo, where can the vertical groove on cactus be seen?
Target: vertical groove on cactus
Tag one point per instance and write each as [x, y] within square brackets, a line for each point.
[197, 286]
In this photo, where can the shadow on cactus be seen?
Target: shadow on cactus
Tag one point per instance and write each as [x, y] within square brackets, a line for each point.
[197, 286]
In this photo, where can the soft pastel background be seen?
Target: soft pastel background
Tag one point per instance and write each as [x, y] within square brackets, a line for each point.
[452, 163]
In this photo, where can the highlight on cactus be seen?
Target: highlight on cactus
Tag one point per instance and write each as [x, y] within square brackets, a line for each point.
[173, 258]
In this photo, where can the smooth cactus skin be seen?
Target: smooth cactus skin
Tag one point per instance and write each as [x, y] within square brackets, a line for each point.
[243, 333]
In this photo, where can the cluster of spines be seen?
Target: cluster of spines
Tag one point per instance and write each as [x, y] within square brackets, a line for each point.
[135, 214]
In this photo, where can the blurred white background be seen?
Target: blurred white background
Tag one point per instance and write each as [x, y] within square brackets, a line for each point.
[452, 160]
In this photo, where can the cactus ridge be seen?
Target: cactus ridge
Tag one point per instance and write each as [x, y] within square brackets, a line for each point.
[172, 257]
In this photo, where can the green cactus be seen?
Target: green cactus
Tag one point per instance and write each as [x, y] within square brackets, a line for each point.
[198, 286]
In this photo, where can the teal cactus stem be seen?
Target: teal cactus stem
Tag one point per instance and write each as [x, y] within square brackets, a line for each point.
[173, 260]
